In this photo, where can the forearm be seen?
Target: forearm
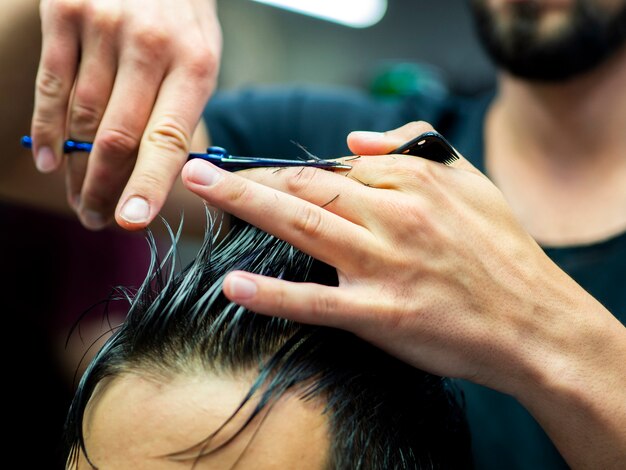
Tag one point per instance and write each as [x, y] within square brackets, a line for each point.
[577, 385]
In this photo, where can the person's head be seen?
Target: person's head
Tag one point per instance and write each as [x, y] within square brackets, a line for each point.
[191, 379]
[550, 40]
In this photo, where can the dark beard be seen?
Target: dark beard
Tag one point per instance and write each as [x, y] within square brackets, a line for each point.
[591, 36]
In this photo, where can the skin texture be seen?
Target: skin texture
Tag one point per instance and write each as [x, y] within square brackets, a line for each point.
[424, 289]
[134, 78]
[489, 306]
[21, 184]
[137, 421]
[20, 45]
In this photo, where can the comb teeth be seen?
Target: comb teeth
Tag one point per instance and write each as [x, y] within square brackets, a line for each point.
[430, 145]
[450, 160]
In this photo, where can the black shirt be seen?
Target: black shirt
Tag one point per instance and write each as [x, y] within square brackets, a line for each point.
[265, 123]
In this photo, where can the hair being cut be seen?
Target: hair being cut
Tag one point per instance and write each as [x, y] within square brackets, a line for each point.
[382, 413]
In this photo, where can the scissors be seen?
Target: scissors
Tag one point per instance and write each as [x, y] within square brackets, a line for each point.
[219, 157]
[430, 145]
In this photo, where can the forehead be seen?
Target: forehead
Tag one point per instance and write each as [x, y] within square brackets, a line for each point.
[138, 422]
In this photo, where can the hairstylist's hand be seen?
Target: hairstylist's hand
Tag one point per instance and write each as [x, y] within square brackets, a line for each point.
[434, 268]
[432, 264]
[133, 76]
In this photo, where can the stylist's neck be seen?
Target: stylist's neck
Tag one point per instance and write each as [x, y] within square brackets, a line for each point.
[578, 122]
[558, 153]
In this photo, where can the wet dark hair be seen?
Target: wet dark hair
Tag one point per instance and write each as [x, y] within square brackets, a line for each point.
[382, 413]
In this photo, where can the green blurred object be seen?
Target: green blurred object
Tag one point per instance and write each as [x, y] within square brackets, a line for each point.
[398, 79]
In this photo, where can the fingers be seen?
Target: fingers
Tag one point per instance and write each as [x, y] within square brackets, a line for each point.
[165, 145]
[381, 143]
[119, 136]
[301, 302]
[354, 195]
[93, 88]
[189, 81]
[314, 230]
[327, 189]
[55, 79]
[146, 71]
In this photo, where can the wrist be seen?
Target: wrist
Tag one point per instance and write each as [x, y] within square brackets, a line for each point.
[574, 378]
[576, 350]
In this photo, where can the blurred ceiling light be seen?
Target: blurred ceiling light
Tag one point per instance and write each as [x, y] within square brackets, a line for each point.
[353, 13]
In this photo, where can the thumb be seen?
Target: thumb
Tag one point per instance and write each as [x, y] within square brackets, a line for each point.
[381, 143]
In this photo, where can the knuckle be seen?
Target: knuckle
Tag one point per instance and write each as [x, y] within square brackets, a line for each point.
[323, 305]
[300, 179]
[419, 127]
[46, 123]
[84, 120]
[103, 19]
[308, 220]
[150, 39]
[66, 9]
[43, 128]
[202, 64]
[237, 191]
[117, 142]
[171, 135]
[279, 301]
[49, 85]
[422, 171]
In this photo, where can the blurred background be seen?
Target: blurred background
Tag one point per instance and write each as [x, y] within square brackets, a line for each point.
[264, 44]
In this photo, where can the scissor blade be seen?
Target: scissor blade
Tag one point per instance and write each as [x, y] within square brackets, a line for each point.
[279, 162]
[218, 157]
[236, 162]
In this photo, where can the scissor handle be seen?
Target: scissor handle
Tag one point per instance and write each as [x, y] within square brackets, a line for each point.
[215, 155]
[69, 146]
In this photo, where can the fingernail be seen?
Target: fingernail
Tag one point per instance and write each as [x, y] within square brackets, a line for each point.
[136, 210]
[368, 135]
[242, 288]
[45, 160]
[203, 173]
[93, 220]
